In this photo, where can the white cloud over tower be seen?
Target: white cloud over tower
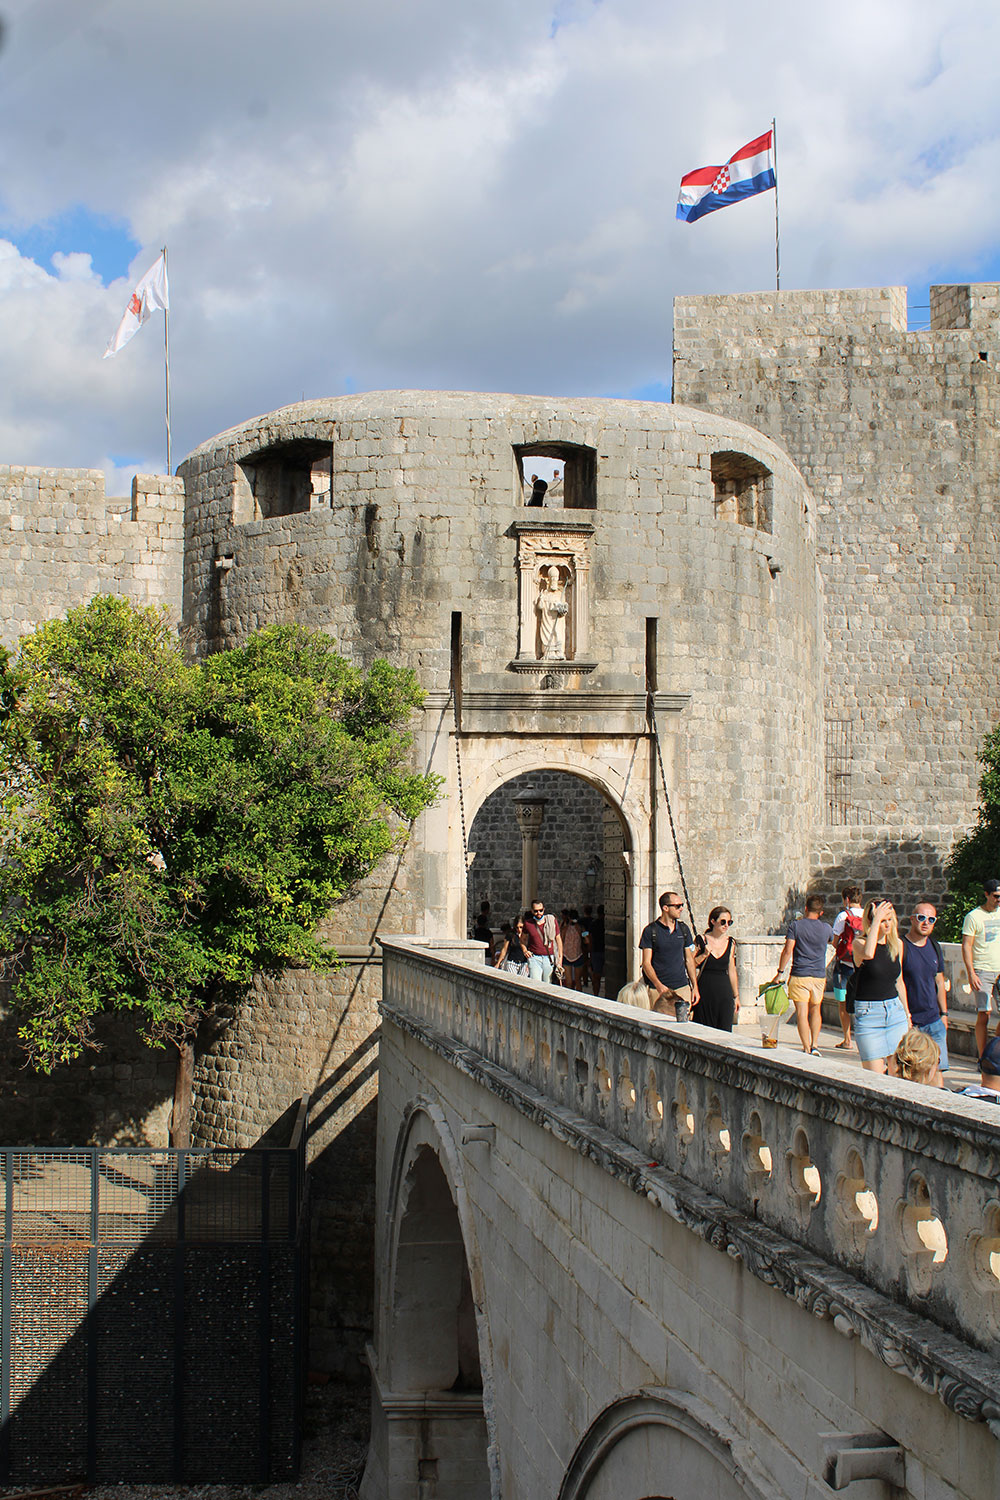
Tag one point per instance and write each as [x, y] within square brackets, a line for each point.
[452, 195]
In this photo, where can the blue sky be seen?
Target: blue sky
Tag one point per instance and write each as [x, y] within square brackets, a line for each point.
[109, 242]
[449, 196]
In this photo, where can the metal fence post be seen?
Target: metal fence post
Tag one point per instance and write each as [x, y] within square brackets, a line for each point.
[95, 1235]
[179, 1317]
[6, 1295]
[264, 1417]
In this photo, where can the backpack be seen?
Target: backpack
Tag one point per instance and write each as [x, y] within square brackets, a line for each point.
[845, 942]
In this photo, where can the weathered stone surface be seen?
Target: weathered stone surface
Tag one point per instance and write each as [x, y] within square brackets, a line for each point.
[669, 1233]
[896, 434]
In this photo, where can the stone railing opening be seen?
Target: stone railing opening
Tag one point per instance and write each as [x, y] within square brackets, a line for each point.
[893, 1183]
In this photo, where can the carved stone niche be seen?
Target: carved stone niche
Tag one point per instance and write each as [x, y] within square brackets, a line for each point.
[553, 565]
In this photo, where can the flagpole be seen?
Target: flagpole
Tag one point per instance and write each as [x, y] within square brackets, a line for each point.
[777, 240]
[166, 362]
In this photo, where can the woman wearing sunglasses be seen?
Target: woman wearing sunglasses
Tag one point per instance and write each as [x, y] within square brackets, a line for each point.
[718, 987]
[881, 1010]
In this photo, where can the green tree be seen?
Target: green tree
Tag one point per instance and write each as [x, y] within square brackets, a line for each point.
[167, 828]
[976, 857]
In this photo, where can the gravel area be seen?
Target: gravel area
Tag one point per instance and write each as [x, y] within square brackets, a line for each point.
[334, 1445]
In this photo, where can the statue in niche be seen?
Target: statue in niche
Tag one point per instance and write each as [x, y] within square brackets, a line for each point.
[552, 609]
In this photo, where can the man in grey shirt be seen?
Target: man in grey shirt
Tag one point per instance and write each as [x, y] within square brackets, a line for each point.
[806, 942]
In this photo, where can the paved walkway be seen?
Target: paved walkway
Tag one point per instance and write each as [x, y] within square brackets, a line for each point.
[961, 1072]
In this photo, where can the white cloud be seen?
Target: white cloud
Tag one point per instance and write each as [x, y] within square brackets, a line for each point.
[455, 195]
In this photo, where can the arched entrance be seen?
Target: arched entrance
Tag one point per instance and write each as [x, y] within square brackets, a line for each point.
[429, 1433]
[664, 1445]
[580, 860]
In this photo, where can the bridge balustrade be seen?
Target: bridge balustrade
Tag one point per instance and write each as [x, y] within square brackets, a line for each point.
[872, 1201]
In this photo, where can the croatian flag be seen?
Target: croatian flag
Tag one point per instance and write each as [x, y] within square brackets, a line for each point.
[749, 171]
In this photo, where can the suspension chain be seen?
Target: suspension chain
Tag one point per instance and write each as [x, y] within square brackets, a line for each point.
[461, 794]
[670, 811]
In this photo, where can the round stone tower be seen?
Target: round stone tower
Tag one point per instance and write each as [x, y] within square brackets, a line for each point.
[646, 620]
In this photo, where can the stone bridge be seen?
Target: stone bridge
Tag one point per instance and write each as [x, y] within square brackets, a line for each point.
[623, 1260]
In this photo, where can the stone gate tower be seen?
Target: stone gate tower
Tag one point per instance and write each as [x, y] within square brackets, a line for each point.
[672, 585]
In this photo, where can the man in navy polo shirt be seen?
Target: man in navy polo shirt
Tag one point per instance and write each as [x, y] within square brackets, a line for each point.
[923, 975]
[668, 960]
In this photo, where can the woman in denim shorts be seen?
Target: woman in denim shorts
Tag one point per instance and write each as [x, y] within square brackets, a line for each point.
[881, 1012]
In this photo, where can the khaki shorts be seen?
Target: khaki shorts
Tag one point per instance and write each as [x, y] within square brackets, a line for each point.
[670, 1005]
[803, 990]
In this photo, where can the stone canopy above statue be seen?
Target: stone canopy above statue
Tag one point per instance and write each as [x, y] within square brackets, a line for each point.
[553, 563]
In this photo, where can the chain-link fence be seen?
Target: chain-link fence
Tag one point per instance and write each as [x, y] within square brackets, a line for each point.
[152, 1313]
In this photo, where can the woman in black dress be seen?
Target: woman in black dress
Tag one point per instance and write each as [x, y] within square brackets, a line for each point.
[513, 956]
[718, 987]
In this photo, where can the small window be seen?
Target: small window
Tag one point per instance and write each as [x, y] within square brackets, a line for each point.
[839, 766]
[742, 490]
[283, 481]
[557, 475]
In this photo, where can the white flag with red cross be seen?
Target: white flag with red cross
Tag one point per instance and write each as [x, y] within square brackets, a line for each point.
[150, 293]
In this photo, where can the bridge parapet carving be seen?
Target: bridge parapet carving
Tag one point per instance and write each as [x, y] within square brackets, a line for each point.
[871, 1202]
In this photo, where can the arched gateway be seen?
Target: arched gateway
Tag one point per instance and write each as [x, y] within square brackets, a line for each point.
[556, 835]
[432, 1328]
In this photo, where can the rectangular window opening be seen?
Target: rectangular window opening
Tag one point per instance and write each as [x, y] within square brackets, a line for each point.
[742, 488]
[284, 480]
[839, 769]
[556, 475]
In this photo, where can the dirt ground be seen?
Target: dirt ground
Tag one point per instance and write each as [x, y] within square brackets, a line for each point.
[334, 1445]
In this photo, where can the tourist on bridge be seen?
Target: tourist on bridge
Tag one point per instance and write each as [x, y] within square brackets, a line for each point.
[715, 960]
[918, 1059]
[668, 967]
[923, 975]
[594, 933]
[513, 955]
[574, 954]
[542, 940]
[989, 1073]
[846, 926]
[881, 1009]
[981, 956]
[806, 942]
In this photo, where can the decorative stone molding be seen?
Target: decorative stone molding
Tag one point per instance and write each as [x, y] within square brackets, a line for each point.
[553, 563]
[678, 1411]
[509, 1035]
[546, 713]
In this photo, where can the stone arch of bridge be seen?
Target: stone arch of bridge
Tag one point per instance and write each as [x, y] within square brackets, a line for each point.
[434, 1333]
[621, 780]
[662, 1442]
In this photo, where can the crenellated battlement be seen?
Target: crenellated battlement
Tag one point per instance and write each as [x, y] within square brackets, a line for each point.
[62, 540]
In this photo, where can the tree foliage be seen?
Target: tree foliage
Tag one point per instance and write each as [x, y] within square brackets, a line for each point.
[976, 857]
[168, 827]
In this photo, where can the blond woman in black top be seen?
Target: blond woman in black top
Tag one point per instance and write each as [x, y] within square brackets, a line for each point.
[881, 1010]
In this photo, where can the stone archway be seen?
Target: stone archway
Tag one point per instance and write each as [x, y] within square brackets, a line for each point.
[583, 853]
[664, 1445]
[429, 1430]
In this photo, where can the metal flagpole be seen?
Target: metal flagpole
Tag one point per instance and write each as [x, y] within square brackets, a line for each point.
[777, 241]
[166, 360]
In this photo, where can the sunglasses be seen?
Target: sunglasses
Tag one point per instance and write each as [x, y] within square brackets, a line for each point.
[724, 922]
[919, 917]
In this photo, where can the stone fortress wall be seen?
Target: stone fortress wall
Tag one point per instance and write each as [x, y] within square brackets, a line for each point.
[62, 542]
[692, 558]
[896, 434]
[397, 522]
